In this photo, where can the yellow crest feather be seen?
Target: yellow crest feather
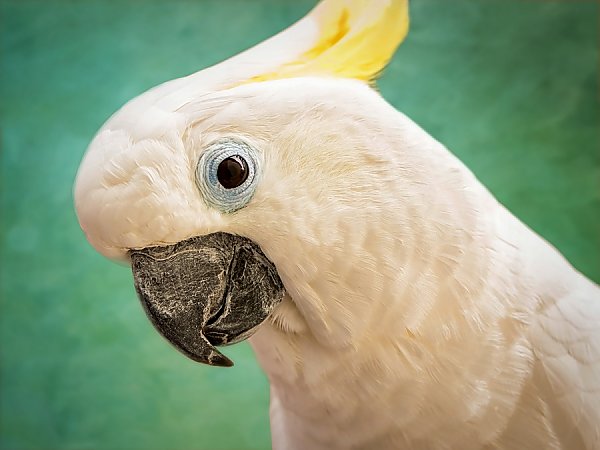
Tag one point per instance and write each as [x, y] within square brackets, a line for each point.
[356, 39]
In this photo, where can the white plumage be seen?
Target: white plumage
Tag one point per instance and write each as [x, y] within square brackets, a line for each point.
[420, 313]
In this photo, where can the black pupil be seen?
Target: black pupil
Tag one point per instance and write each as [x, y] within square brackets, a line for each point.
[232, 172]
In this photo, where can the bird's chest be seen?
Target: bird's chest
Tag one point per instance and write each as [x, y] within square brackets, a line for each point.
[392, 395]
[324, 399]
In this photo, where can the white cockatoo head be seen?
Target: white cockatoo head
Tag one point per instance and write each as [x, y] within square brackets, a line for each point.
[276, 184]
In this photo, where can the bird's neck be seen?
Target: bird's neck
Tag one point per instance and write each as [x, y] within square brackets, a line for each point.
[410, 328]
[436, 353]
[397, 389]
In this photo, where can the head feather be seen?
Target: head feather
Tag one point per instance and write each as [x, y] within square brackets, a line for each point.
[344, 38]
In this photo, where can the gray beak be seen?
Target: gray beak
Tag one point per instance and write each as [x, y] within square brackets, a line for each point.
[206, 291]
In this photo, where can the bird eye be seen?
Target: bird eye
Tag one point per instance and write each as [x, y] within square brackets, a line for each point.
[226, 174]
[232, 172]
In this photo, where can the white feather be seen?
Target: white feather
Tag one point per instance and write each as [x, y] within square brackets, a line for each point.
[420, 313]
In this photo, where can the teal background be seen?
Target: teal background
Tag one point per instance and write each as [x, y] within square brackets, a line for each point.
[510, 86]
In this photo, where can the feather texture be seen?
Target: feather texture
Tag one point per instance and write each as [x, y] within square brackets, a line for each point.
[420, 313]
[356, 39]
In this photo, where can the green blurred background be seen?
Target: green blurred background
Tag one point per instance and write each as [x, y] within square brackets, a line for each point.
[510, 86]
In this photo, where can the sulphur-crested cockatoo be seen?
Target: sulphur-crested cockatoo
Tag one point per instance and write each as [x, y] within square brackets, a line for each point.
[391, 300]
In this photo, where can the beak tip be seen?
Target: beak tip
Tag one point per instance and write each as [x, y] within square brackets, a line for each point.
[226, 362]
[207, 355]
[218, 359]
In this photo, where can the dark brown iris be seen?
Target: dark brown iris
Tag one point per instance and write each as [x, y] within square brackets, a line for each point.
[232, 172]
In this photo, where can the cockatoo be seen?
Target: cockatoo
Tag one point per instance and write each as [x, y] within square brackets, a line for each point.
[390, 299]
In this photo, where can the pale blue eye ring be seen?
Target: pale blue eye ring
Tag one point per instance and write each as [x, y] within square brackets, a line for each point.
[215, 195]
